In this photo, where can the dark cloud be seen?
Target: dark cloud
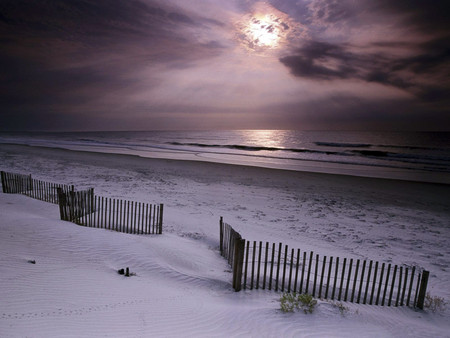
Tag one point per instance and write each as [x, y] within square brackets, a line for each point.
[78, 20]
[67, 55]
[331, 11]
[425, 74]
[429, 16]
[89, 26]
[310, 62]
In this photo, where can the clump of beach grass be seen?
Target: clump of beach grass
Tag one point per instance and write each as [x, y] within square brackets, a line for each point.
[289, 302]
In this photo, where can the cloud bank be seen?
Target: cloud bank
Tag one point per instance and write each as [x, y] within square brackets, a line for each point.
[148, 64]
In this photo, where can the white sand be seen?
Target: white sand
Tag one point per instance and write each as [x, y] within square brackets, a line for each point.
[183, 286]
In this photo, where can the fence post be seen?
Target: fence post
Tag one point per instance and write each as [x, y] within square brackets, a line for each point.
[61, 201]
[161, 208]
[3, 182]
[221, 235]
[239, 247]
[422, 289]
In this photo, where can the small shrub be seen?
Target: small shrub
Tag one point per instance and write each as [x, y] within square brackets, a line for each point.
[307, 303]
[434, 303]
[289, 302]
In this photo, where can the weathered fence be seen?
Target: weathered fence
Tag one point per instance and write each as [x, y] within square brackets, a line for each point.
[258, 265]
[24, 184]
[74, 206]
[84, 208]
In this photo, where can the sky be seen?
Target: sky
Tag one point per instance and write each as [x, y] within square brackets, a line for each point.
[212, 64]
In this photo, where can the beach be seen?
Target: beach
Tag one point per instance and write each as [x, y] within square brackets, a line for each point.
[182, 286]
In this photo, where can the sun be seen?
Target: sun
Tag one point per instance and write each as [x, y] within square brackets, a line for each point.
[265, 31]
[265, 28]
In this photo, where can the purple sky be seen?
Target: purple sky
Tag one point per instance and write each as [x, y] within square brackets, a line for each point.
[215, 64]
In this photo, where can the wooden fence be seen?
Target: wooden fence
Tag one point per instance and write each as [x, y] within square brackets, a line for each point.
[258, 265]
[84, 208]
[24, 184]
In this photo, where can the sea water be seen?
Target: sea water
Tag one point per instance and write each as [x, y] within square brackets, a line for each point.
[418, 156]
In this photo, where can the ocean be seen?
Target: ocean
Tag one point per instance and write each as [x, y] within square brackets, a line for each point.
[417, 156]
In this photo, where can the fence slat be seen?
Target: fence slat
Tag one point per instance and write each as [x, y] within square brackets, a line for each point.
[113, 213]
[342, 278]
[259, 265]
[410, 285]
[246, 264]
[271, 266]
[154, 222]
[392, 285]
[354, 280]
[296, 270]
[335, 278]
[139, 222]
[348, 278]
[147, 231]
[361, 282]
[102, 213]
[309, 271]
[110, 213]
[328, 277]
[400, 276]
[253, 265]
[134, 218]
[284, 267]
[315, 275]
[321, 277]
[405, 284]
[375, 271]
[290, 270]
[380, 283]
[386, 284]
[127, 230]
[265, 265]
[278, 266]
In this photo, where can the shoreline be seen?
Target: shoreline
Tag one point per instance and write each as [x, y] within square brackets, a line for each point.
[414, 177]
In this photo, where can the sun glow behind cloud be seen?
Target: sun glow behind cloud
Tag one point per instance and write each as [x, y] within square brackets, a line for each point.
[264, 31]
[265, 28]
